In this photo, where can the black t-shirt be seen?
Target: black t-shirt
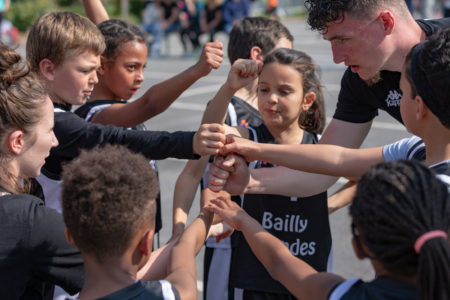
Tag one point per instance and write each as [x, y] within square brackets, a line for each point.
[34, 253]
[168, 8]
[146, 290]
[75, 134]
[301, 223]
[359, 103]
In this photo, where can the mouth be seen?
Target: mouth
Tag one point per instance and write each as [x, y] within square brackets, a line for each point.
[354, 68]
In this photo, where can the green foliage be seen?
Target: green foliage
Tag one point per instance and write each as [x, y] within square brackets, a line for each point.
[23, 13]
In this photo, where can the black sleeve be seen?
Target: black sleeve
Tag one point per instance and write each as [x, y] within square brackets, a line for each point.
[75, 134]
[53, 259]
[352, 105]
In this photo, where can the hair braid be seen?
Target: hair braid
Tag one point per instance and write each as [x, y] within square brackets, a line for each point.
[412, 202]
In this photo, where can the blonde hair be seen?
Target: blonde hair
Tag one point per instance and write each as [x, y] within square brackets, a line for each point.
[54, 34]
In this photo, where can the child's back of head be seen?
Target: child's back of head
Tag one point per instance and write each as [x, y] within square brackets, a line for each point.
[428, 71]
[397, 209]
[54, 34]
[108, 196]
[249, 32]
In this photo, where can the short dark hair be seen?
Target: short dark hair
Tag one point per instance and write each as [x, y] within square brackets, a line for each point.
[117, 33]
[321, 12]
[395, 204]
[432, 70]
[107, 195]
[255, 31]
[313, 119]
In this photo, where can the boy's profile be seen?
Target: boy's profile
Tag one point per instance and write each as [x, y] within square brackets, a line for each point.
[109, 210]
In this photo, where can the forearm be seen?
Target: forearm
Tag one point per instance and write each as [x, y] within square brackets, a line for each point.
[342, 198]
[185, 190]
[322, 159]
[156, 267]
[95, 11]
[216, 110]
[287, 182]
[160, 96]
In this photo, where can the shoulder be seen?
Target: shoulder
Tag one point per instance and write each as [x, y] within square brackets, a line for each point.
[21, 201]
[162, 289]
[432, 26]
[407, 148]
[87, 110]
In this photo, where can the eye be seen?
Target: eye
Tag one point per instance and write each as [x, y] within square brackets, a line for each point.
[132, 67]
[285, 92]
[263, 89]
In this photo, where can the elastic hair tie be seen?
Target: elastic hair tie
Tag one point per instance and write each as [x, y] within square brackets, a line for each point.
[421, 240]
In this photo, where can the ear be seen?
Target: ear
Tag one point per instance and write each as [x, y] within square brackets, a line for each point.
[103, 62]
[69, 237]
[47, 68]
[256, 54]
[145, 245]
[16, 142]
[356, 249]
[308, 100]
[387, 21]
[422, 109]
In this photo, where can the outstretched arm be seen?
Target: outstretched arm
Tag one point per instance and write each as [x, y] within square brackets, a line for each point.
[184, 193]
[95, 11]
[182, 271]
[160, 96]
[296, 275]
[322, 159]
[342, 197]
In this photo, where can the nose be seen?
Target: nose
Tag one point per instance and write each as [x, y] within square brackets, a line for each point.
[140, 76]
[93, 79]
[338, 54]
[273, 99]
[54, 140]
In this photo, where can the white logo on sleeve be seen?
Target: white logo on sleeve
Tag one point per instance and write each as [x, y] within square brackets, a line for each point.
[393, 99]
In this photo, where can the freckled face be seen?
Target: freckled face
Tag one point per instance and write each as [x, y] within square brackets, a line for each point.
[280, 95]
[124, 76]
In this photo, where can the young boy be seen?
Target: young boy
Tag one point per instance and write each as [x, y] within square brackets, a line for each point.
[65, 48]
[251, 38]
[109, 211]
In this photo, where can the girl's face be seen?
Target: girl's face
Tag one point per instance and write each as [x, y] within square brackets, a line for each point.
[280, 95]
[124, 76]
[407, 103]
[74, 80]
[37, 144]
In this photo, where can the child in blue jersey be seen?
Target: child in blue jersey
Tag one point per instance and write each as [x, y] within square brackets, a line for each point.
[290, 102]
[109, 210]
[400, 221]
[64, 49]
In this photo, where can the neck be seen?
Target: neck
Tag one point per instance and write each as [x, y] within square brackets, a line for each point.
[290, 135]
[407, 34]
[102, 279]
[249, 94]
[437, 145]
[381, 271]
[101, 92]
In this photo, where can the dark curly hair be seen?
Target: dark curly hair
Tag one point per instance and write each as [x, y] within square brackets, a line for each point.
[107, 195]
[313, 119]
[396, 203]
[321, 12]
[117, 33]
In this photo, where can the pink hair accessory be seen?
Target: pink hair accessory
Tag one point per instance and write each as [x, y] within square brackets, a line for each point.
[428, 236]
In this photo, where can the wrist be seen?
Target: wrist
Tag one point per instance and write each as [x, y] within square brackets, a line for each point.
[228, 90]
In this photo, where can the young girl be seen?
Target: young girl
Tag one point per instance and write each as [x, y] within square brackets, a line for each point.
[424, 109]
[399, 221]
[290, 102]
[34, 254]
